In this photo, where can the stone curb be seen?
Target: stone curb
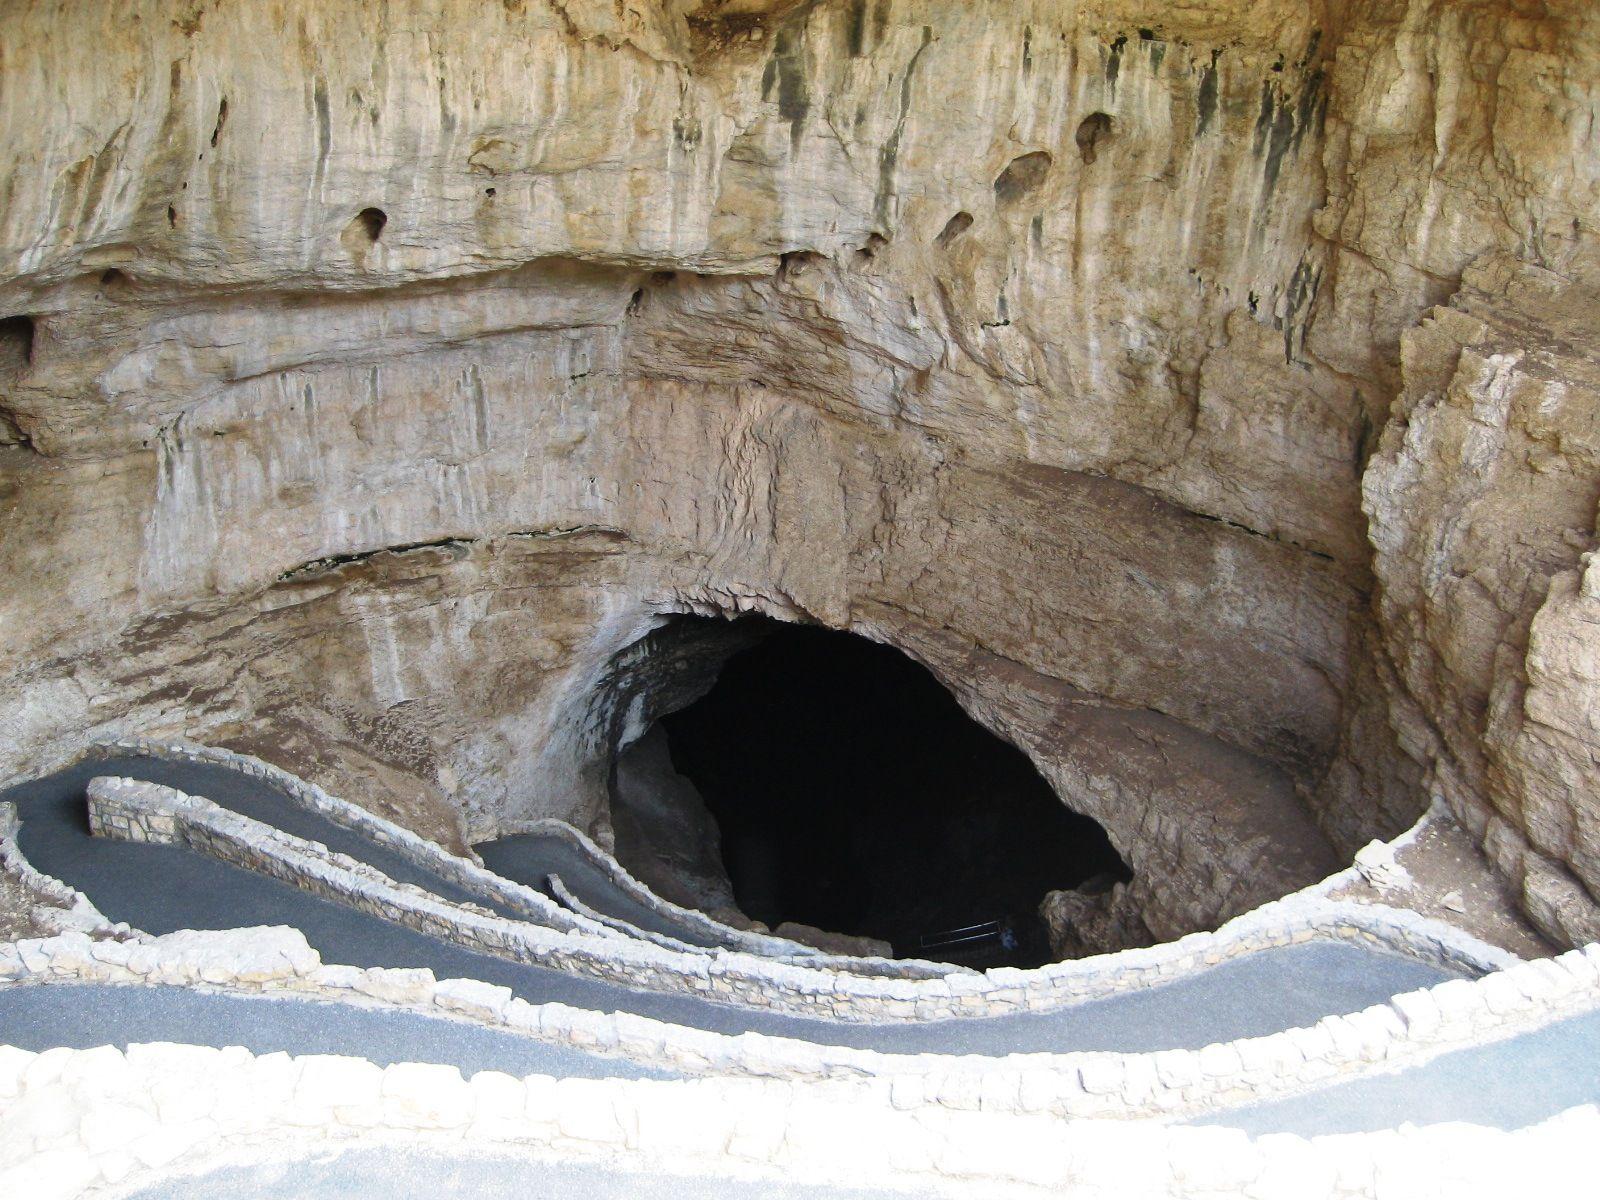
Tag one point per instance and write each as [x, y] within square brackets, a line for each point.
[769, 946]
[135, 810]
[462, 872]
[81, 1123]
[145, 811]
[807, 987]
[1409, 1030]
[70, 910]
[726, 935]
[561, 892]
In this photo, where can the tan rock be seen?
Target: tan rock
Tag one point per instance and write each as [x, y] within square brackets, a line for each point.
[371, 381]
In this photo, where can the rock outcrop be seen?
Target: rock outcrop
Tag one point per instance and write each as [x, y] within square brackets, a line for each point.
[1483, 503]
[373, 382]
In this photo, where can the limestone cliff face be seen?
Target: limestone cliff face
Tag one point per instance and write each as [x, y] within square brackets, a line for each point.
[378, 376]
[1464, 172]
[1483, 503]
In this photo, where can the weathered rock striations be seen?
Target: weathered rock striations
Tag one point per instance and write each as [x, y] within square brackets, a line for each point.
[372, 383]
[1483, 497]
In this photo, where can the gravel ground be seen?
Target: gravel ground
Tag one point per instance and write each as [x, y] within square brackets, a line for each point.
[1451, 882]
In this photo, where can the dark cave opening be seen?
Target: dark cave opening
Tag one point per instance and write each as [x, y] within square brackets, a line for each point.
[853, 794]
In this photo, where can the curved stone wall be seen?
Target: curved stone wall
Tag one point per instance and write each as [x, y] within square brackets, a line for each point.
[1407, 1032]
[241, 1106]
[150, 812]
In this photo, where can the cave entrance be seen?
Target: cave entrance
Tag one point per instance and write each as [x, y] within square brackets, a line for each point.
[853, 794]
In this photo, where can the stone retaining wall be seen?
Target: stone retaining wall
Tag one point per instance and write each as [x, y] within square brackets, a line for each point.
[770, 946]
[809, 986]
[104, 1121]
[562, 893]
[68, 909]
[725, 936]
[152, 812]
[134, 810]
[463, 873]
[1407, 1031]
[473, 877]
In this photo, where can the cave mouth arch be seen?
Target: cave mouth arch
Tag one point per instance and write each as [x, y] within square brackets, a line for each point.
[848, 791]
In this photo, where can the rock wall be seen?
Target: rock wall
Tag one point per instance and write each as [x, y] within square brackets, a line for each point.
[373, 378]
[1463, 176]
[1483, 498]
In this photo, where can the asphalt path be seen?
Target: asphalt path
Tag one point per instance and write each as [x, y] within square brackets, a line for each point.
[1508, 1085]
[250, 797]
[85, 1015]
[530, 858]
[161, 889]
[398, 1174]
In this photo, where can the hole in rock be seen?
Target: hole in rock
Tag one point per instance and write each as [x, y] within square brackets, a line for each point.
[875, 243]
[222, 119]
[16, 353]
[16, 342]
[954, 228]
[1022, 176]
[848, 791]
[1092, 130]
[370, 223]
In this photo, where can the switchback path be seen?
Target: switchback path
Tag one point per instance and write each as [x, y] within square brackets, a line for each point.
[161, 889]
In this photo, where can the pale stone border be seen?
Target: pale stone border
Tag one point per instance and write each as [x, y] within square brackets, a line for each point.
[1297, 917]
[726, 935]
[146, 811]
[463, 873]
[563, 893]
[1408, 1031]
[767, 945]
[105, 1122]
[69, 910]
[472, 876]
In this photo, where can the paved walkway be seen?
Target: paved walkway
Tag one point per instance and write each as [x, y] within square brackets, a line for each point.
[1520, 1081]
[240, 793]
[531, 857]
[163, 888]
[85, 1015]
[408, 1174]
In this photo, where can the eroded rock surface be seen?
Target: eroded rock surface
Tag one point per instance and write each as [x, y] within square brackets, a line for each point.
[1483, 498]
[372, 380]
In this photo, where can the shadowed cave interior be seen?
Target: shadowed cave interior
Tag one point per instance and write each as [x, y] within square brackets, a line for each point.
[847, 790]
